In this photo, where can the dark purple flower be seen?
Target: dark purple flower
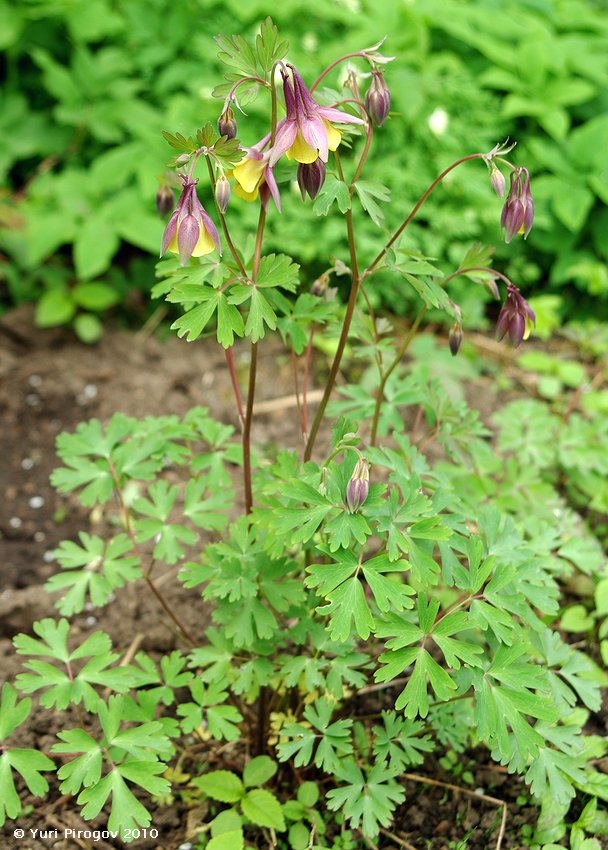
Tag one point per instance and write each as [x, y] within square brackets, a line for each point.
[518, 211]
[226, 124]
[164, 200]
[311, 176]
[378, 98]
[190, 232]
[516, 317]
[455, 338]
[358, 486]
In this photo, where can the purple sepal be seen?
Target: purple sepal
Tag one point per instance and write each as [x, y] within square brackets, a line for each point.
[187, 237]
[169, 232]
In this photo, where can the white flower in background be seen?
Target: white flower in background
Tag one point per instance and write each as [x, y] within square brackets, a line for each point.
[438, 121]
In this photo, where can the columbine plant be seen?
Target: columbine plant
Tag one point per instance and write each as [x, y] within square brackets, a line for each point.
[355, 567]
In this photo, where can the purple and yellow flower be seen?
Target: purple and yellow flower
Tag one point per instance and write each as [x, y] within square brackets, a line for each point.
[254, 175]
[518, 211]
[516, 317]
[306, 134]
[190, 232]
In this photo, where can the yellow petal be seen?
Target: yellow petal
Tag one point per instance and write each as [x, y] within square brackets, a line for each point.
[333, 136]
[173, 247]
[249, 173]
[241, 193]
[301, 151]
[205, 244]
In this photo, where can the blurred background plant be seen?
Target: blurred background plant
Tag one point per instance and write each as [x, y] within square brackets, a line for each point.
[90, 85]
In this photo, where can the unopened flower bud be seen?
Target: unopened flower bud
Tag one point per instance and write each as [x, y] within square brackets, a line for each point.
[518, 211]
[492, 287]
[358, 486]
[311, 176]
[165, 200]
[226, 124]
[378, 98]
[497, 179]
[455, 338]
[182, 159]
[222, 193]
[319, 287]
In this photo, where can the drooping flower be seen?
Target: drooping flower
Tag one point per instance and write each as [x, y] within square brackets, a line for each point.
[518, 211]
[190, 232]
[164, 200]
[255, 175]
[378, 98]
[455, 338]
[306, 133]
[226, 124]
[357, 488]
[516, 317]
[311, 176]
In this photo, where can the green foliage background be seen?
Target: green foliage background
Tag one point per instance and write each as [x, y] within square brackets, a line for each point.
[90, 85]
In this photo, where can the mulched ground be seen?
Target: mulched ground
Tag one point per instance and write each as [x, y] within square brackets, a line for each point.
[49, 383]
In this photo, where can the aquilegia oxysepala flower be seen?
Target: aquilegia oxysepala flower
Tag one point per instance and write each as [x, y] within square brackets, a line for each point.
[306, 134]
[516, 317]
[255, 175]
[190, 232]
[518, 211]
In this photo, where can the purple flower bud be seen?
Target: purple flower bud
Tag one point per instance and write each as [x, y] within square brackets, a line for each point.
[311, 177]
[518, 212]
[222, 193]
[455, 338]
[378, 98]
[358, 486]
[516, 318]
[165, 199]
[226, 124]
[320, 285]
[497, 179]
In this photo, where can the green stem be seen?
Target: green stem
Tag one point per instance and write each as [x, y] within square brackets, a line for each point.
[380, 394]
